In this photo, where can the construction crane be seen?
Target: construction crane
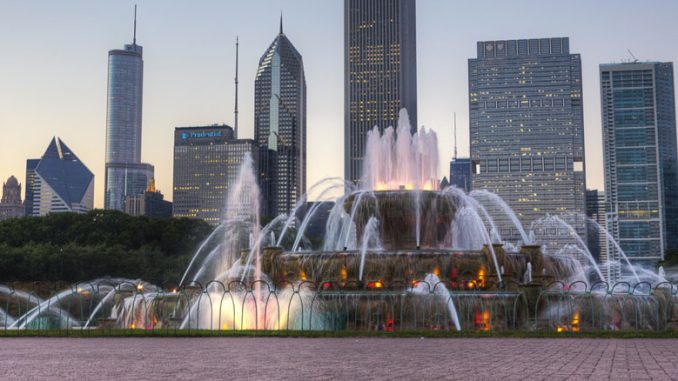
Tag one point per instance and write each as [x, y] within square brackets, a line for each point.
[632, 55]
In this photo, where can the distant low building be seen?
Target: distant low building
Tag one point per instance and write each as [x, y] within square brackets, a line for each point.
[460, 173]
[10, 205]
[150, 204]
[58, 182]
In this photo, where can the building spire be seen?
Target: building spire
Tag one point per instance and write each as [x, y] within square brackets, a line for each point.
[134, 40]
[455, 136]
[281, 28]
[235, 112]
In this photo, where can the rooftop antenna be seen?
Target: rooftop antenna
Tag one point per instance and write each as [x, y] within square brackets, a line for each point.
[455, 136]
[281, 29]
[236, 87]
[632, 55]
[134, 41]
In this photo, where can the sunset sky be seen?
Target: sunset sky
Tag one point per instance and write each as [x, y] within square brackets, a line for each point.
[53, 65]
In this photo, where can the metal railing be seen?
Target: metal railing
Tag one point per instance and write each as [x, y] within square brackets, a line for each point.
[329, 306]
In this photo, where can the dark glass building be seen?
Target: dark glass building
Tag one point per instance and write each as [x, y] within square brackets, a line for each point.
[380, 72]
[527, 128]
[280, 125]
[30, 184]
[460, 173]
[206, 163]
[641, 175]
[59, 182]
[125, 174]
[597, 239]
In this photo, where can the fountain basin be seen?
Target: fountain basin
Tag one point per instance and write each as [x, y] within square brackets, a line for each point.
[408, 220]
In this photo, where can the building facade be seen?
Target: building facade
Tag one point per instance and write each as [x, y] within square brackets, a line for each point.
[206, 164]
[380, 72]
[527, 128]
[125, 174]
[150, 204]
[460, 173]
[59, 182]
[596, 225]
[280, 125]
[639, 147]
[10, 204]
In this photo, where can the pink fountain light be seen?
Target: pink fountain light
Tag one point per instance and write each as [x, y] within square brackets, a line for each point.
[397, 160]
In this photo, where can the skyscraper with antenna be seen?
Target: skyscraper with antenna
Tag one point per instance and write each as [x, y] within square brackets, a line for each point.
[235, 110]
[125, 173]
[280, 125]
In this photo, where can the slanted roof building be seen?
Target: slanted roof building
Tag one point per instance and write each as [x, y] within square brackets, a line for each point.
[60, 182]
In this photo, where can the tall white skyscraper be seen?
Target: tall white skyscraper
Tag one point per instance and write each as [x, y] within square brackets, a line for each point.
[125, 173]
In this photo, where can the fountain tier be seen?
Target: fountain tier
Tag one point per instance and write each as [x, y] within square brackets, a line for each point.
[407, 220]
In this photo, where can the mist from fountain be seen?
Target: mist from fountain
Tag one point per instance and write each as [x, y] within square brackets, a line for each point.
[611, 241]
[543, 227]
[487, 199]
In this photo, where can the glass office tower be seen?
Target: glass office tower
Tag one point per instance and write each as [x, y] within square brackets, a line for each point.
[527, 128]
[207, 162]
[59, 182]
[460, 173]
[380, 72]
[125, 174]
[280, 126]
[641, 176]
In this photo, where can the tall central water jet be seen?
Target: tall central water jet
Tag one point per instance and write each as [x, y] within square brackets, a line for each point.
[398, 160]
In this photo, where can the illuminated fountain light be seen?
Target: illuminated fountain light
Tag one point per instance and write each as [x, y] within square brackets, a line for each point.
[400, 160]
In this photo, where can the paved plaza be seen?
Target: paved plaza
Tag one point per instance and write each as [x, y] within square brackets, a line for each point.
[337, 359]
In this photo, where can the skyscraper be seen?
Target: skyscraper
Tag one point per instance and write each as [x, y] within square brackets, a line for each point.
[125, 174]
[641, 175]
[280, 125]
[59, 182]
[527, 128]
[460, 173]
[380, 72]
[206, 164]
[10, 204]
[596, 226]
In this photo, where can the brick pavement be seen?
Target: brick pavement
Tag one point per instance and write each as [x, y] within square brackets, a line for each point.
[341, 358]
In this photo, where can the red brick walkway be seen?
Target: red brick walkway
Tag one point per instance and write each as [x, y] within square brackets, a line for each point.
[331, 359]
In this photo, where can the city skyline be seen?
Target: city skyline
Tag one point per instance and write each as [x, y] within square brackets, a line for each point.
[49, 81]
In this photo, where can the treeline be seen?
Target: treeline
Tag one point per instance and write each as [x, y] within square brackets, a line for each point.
[77, 247]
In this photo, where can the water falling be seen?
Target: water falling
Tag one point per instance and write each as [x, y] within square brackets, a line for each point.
[370, 240]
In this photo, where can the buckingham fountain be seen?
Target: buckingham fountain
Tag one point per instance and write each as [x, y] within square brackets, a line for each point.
[398, 254]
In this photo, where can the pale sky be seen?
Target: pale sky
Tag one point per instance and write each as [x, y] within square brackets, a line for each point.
[53, 64]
